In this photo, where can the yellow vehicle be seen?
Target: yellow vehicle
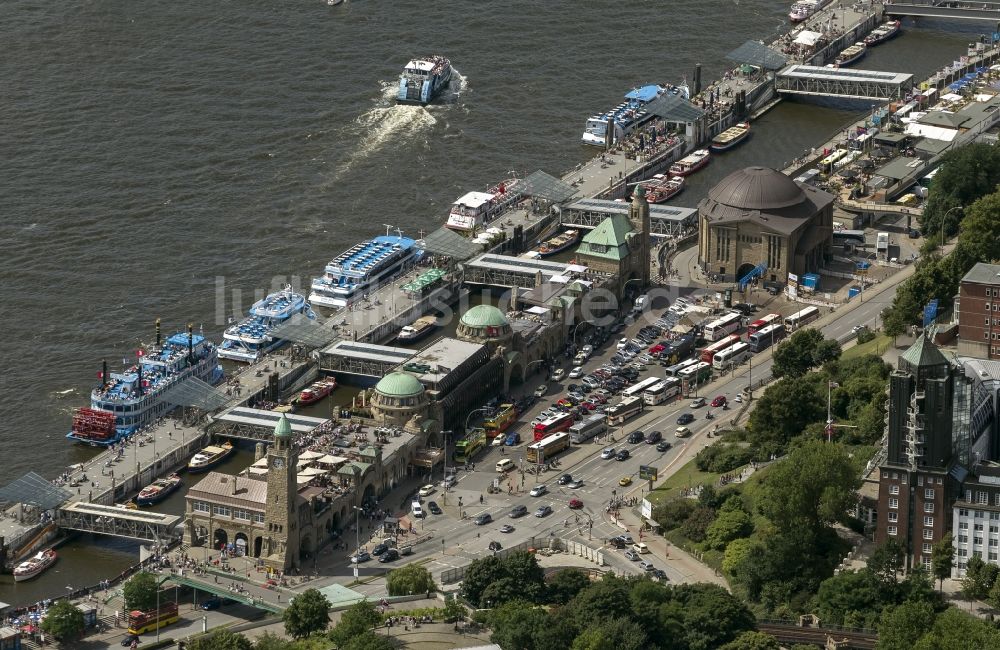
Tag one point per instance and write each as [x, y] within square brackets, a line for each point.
[625, 481]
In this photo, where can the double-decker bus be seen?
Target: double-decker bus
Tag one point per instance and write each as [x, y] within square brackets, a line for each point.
[501, 420]
[545, 449]
[675, 369]
[723, 326]
[584, 430]
[708, 353]
[734, 355]
[554, 424]
[625, 409]
[764, 338]
[800, 318]
[665, 389]
[699, 373]
[761, 323]
[140, 622]
[638, 388]
[468, 446]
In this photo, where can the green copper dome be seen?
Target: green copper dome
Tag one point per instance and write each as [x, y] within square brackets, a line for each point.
[399, 384]
[283, 429]
[484, 316]
[640, 191]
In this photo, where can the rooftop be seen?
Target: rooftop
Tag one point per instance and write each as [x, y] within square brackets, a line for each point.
[442, 357]
[609, 239]
[399, 384]
[923, 353]
[216, 484]
[983, 273]
[484, 316]
[757, 188]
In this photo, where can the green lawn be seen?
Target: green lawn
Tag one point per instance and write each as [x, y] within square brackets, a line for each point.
[687, 476]
[877, 345]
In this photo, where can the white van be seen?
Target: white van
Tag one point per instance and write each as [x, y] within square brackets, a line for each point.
[505, 465]
[640, 548]
[417, 509]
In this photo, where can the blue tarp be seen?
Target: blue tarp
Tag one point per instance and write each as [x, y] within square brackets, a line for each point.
[810, 280]
[645, 93]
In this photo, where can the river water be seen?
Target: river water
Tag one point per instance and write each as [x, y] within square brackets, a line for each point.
[151, 153]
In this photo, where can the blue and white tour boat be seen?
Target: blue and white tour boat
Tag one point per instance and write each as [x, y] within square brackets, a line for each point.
[363, 268]
[135, 397]
[423, 79]
[627, 116]
[250, 339]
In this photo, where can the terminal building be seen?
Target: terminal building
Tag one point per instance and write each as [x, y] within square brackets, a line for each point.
[758, 218]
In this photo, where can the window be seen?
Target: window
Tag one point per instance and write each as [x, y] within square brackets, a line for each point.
[885, 474]
[929, 494]
[928, 507]
[928, 533]
[920, 480]
[979, 514]
[241, 514]
[994, 530]
[891, 530]
[963, 539]
[926, 547]
[893, 489]
[895, 476]
[222, 511]
[258, 517]
[993, 556]
[200, 506]
[994, 543]
[978, 528]
[928, 521]
[893, 516]
[978, 541]
[962, 553]
[926, 561]
[963, 525]
[982, 498]
[995, 516]
[894, 503]
[963, 512]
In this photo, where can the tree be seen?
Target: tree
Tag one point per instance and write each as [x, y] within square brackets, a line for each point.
[671, 514]
[804, 349]
[605, 599]
[271, 641]
[566, 584]
[619, 633]
[942, 559]
[527, 574]
[956, 630]
[409, 579]
[886, 563]
[712, 616]
[63, 621]
[965, 175]
[847, 592]
[697, 524]
[729, 525]
[515, 624]
[481, 574]
[813, 487]
[357, 619]
[901, 627]
[783, 411]
[979, 578]
[738, 552]
[308, 613]
[220, 640]
[753, 641]
[369, 641]
[140, 592]
[454, 610]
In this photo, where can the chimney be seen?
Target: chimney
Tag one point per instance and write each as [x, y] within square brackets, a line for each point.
[158, 338]
[191, 342]
[104, 371]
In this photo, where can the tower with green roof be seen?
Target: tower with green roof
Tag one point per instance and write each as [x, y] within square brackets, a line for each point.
[281, 529]
[638, 216]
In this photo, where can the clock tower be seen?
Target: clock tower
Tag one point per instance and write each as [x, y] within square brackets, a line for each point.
[280, 512]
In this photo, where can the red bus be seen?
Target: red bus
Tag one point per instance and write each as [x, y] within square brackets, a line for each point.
[707, 354]
[554, 424]
[761, 323]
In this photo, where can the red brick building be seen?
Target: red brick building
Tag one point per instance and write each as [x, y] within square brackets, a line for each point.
[979, 312]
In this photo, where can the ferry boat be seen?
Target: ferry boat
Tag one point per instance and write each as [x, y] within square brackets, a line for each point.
[627, 116]
[731, 137]
[423, 79]
[803, 9]
[559, 243]
[158, 490]
[34, 566]
[250, 339]
[363, 268]
[690, 163]
[209, 457]
[126, 401]
[417, 330]
[316, 391]
[890, 30]
[853, 54]
[662, 188]
[475, 209]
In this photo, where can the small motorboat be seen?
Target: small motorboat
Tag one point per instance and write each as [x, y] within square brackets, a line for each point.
[158, 490]
[883, 33]
[853, 54]
[417, 330]
[662, 188]
[34, 566]
[731, 137]
[209, 457]
[316, 391]
[559, 243]
[690, 163]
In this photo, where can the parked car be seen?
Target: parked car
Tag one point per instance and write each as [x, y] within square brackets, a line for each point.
[417, 510]
[558, 374]
[576, 372]
[483, 519]
[389, 556]
[646, 566]
[216, 603]
[541, 390]
[543, 511]
[449, 481]
[513, 438]
[622, 343]
[360, 557]
[380, 549]
[426, 490]
[640, 547]
[631, 555]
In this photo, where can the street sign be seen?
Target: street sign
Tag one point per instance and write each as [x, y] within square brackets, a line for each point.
[647, 473]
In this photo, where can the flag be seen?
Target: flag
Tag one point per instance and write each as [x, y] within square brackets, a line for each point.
[139, 353]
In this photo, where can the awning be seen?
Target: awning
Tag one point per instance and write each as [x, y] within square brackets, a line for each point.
[807, 38]
[575, 268]
[331, 460]
[537, 310]
[309, 454]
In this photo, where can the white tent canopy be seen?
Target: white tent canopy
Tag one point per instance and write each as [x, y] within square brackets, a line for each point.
[308, 454]
[807, 38]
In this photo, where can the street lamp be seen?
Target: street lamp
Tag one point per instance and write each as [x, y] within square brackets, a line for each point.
[574, 332]
[945, 218]
[357, 541]
[471, 413]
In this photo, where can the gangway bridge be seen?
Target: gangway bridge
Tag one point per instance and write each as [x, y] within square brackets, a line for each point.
[961, 9]
[117, 521]
[845, 83]
[222, 590]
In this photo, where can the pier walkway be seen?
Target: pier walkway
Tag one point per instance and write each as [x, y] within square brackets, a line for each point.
[961, 9]
[843, 82]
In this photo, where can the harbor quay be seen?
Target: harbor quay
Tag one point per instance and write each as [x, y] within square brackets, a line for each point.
[315, 478]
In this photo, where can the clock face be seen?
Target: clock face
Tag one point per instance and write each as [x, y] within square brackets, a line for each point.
[277, 462]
